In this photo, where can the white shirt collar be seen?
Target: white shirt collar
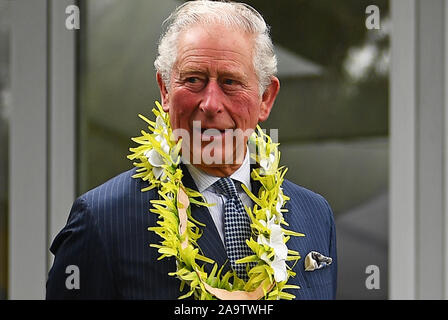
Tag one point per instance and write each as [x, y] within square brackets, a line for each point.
[204, 181]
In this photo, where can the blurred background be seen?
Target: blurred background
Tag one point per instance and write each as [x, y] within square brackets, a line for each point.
[332, 113]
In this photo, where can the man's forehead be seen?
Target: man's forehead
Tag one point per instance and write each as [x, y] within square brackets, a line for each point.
[214, 36]
[195, 54]
[219, 62]
[199, 46]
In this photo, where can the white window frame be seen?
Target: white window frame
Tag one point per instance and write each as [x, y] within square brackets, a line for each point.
[42, 139]
[418, 225]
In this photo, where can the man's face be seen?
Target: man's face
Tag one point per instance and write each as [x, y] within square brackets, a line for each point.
[214, 84]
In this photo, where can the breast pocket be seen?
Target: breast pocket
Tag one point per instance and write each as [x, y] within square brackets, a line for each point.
[317, 278]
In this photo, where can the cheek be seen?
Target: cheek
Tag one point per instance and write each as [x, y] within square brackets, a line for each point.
[183, 105]
[246, 109]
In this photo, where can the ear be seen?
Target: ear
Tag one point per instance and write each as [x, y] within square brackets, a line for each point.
[164, 96]
[268, 98]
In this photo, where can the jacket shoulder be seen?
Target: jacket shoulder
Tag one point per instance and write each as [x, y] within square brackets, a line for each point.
[311, 205]
[117, 202]
[116, 188]
[301, 193]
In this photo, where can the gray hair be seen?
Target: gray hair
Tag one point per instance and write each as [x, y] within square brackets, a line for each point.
[234, 15]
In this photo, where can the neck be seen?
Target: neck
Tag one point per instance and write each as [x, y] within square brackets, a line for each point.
[223, 170]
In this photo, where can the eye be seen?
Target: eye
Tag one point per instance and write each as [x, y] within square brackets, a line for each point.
[194, 82]
[192, 79]
[229, 82]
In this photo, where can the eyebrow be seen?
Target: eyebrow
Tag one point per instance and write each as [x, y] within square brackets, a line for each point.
[224, 74]
[188, 71]
[233, 74]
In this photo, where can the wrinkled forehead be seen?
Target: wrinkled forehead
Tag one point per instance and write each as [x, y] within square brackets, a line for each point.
[217, 36]
[215, 43]
[215, 48]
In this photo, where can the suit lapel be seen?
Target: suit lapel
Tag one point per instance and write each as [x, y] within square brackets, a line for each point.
[255, 185]
[210, 242]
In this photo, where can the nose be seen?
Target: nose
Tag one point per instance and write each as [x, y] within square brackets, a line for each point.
[211, 104]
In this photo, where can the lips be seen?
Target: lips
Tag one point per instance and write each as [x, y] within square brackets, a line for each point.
[214, 130]
[208, 131]
[214, 133]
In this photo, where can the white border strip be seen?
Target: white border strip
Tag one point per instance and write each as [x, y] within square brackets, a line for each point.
[62, 119]
[445, 164]
[28, 154]
[42, 140]
[402, 210]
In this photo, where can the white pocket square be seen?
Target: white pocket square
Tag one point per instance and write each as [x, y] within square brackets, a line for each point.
[315, 260]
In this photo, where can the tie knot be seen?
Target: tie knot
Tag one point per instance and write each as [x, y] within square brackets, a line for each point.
[226, 187]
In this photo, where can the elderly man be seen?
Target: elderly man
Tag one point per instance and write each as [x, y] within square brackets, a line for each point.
[223, 223]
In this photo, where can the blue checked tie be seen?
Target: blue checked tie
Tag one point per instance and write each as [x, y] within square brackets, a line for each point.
[236, 226]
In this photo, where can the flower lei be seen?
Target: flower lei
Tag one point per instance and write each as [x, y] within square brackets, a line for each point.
[159, 164]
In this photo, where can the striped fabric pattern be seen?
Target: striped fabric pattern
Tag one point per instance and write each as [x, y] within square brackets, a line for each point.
[107, 238]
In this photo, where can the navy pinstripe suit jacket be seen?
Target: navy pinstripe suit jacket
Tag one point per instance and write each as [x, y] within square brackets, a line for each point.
[107, 238]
